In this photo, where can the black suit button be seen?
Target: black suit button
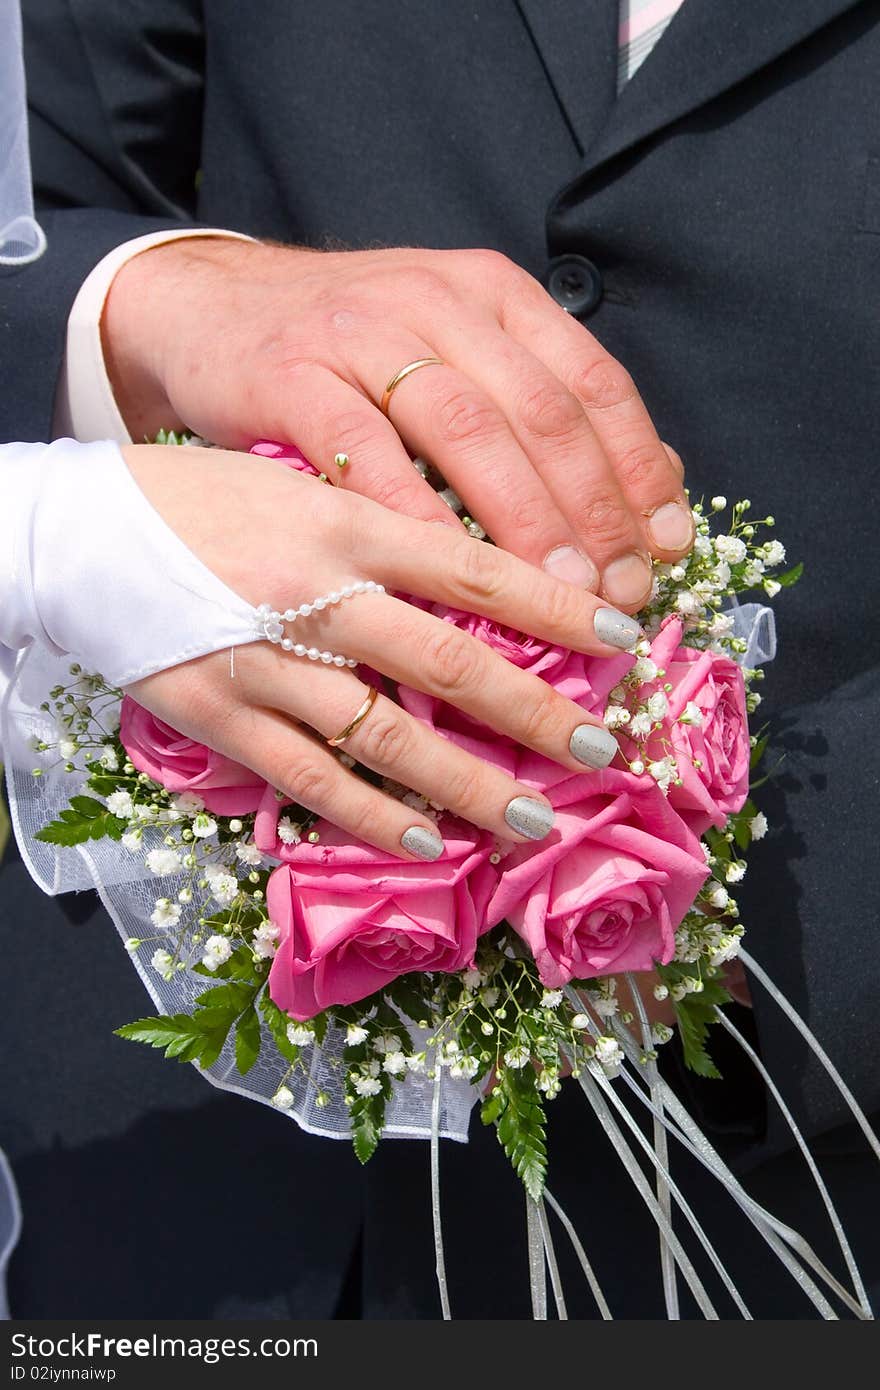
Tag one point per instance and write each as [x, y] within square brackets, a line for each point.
[575, 283]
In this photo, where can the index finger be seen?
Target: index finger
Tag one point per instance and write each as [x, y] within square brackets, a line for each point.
[435, 562]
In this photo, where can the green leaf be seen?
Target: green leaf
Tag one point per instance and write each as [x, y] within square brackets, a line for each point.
[521, 1130]
[156, 1031]
[490, 1110]
[88, 807]
[247, 1040]
[791, 576]
[233, 997]
[73, 827]
[277, 1022]
[365, 1129]
[757, 752]
[695, 1015]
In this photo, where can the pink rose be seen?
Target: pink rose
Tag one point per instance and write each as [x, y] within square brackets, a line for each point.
[608, 887]
[719, 785]
[287, 453]
[181, 765]
[571, 673]
[353, 918]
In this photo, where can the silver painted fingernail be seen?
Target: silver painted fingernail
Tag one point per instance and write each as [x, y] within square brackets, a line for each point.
[616, 629]
[593, 746]
[422, 843]
[528, 817]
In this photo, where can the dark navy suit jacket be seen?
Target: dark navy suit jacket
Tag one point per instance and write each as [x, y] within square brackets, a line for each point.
[729, 201]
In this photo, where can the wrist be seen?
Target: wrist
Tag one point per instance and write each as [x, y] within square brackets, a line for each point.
[151, 299]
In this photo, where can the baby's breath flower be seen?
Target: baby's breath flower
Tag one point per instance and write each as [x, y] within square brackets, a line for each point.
[163, 961]
[616, 716]
[718, 503]
[264, 942]
[300, 1034]
[204, 826]
[165, 914]
[644, 670]
[283, 1098]
[394, 1063]
[355, 1035]
[551, 998]
[609, 1053]
[217, 952]
[289, 833]
[718, 896]
[367, 1085]
[246, 852]
[187, 803]
[516, 1057]
[119, 803]
[580, 1021]
[163, 861]
[773, 553]
[758, 826]
[735, 871]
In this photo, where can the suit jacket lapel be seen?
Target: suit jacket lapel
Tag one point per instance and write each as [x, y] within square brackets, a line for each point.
[577, 43]
[710, 45]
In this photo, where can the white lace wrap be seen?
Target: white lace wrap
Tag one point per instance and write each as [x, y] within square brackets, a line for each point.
[21, 238]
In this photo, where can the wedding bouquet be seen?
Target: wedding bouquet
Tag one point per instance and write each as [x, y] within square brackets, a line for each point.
[365, 994]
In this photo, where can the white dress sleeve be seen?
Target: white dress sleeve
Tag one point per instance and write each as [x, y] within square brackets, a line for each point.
[89, 569]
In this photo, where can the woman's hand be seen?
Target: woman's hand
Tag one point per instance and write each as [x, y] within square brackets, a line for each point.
[276, 536]
[536, 427]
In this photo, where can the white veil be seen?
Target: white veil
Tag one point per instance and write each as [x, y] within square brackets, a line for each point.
[21, 237]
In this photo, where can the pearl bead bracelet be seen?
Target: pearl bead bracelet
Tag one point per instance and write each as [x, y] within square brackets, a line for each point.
[270, 621]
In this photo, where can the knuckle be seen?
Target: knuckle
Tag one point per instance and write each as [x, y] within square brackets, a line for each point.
[675, 459]
[425, 285]
[603, 384]
[450, 661]
[304, 780]
[383, 740]
[354, 432]
[464, 416]
[540, 717]
[603, 516]
[636, 464]
[492, 265]
[464, 791]
[478, 573]
[563, 608]
[551, 412]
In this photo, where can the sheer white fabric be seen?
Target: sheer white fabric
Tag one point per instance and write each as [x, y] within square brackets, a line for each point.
[21, 238]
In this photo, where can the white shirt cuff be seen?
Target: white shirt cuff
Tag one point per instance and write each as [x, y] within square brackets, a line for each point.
[85, 407]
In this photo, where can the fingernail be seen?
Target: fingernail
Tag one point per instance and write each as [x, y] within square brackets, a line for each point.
[569, 564]
[627, 580]
[592, 745]
[671, 527]
[528, 817]
[617, 629]
[422, 843]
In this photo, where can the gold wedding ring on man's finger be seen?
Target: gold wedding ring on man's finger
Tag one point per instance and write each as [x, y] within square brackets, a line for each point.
[405, 372]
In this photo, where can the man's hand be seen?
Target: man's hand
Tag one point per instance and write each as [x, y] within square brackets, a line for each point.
[540, 432]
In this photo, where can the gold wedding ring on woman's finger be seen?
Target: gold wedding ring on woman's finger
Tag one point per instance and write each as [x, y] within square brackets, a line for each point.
[358, 720]
[405, 372]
